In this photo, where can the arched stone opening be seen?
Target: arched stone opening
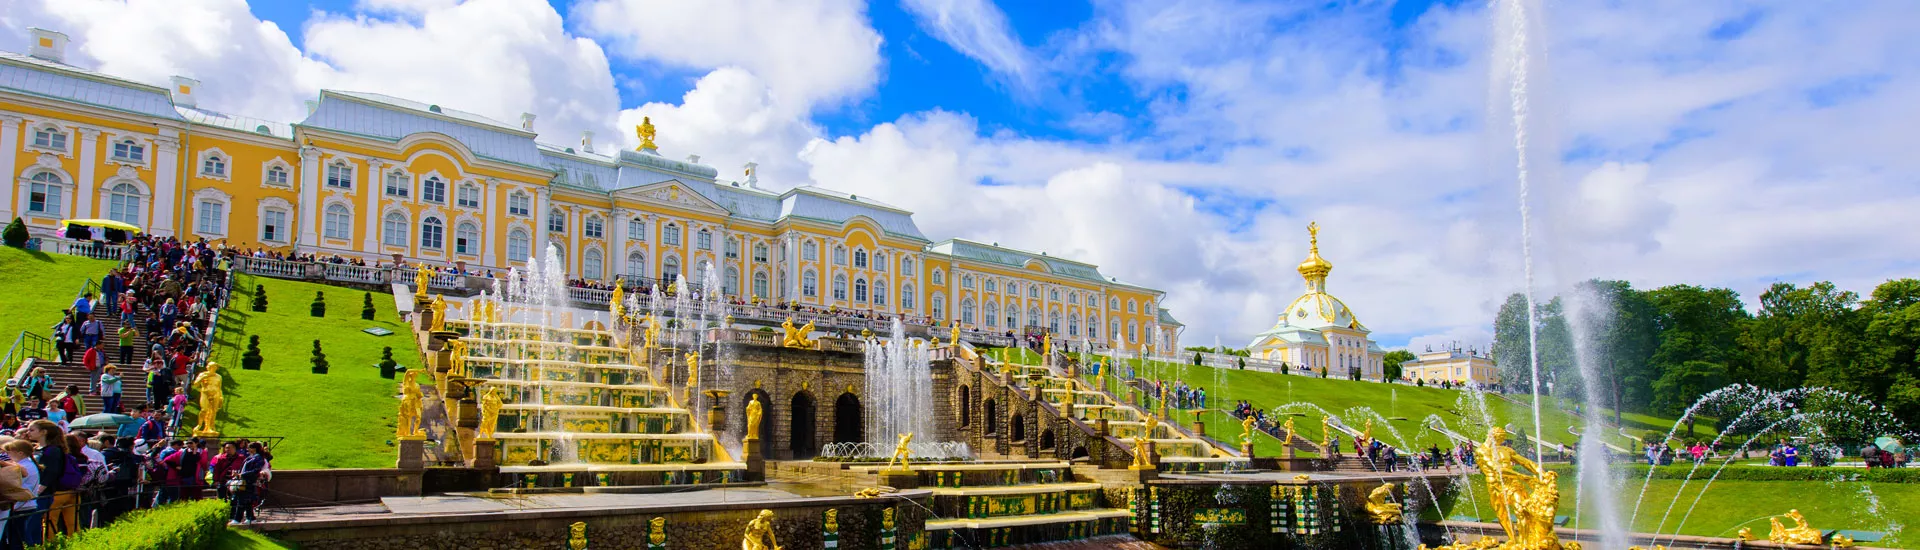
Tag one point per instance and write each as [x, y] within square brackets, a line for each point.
[803, 423]
[847, 426]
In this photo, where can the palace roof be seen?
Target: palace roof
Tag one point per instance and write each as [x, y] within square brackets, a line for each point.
[53, 80]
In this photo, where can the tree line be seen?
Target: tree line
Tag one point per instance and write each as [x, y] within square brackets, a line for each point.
[1659, 350]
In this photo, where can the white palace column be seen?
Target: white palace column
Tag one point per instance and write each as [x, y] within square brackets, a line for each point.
[615, 265]
[309, 196]
[490, 209]
[86, 188]
[9, 152]
[166, 184]
[371, 188]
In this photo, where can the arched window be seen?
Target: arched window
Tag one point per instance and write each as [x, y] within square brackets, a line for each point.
[49, 137]
[1033, 291]
[130, 151]
[809, 251]
[340, 175]
[1116, 328]
[939, 277]
[1093, 327]
[519, 246]
[733, 248]
[468, 197]
[966, 310]
[591, 264]
[670, 270]
[1053, 321]
[593, 228]
[433, 234]
[760, 253]
[760, 285]
[879, 293]
[670, 235]
[1113, 303]
[393, 230]
[637, 229]
[700, 272]
[434, 190]
[993, 312]
[1073, 298]
[277, 175]
[1073, 326]
[990, 286]
[1013, 313]
[273, 225]
[396, 185]
[839, 255]
[214, 165]
[966, 281]
[809, 284]
[703, 240]
[860, 290]
[906, 296]
[906, 266]
[1131, 306]
[519, 204]
[559, 252]
[940, 307]
[1132, 333]
[466, 239]
[636, 265]
[732, 283]
[1013, 289]
[339, 222]
[880, 262]
[123, 203]
[839, 287]
[556, 221]
[1033, 317]
[1053, 294]
[860, 258]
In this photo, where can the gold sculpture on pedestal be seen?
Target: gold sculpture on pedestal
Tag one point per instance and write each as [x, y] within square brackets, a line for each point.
[1800, 533]
[796, 338]
[1246, 430]
[615, 306]
[1524, 497]
[753, 418]
[490, 405]
[954, 335]
[577, 536]
[1326, 435]
[212, 397]
[456, 358]
[439, 311]
[420, 279]
[901, 454]
[1289, 426]
[693, 371]
[760, 533]
[1142, 453]
[407, 426]
[646, 132]
[1381, 509]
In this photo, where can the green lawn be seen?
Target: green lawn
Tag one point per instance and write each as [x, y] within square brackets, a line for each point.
[39, 285]
[242, 539]
[1730, 505]
[343, 419]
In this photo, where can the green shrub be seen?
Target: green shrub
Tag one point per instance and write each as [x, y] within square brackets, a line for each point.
[16, 234]
[259, 298]
[251, 360]
[180, 526]
[366, 307]
[319, 359]
[387, 366]
[319, 306]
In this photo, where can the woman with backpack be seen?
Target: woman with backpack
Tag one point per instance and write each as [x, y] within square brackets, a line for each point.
[62, 471]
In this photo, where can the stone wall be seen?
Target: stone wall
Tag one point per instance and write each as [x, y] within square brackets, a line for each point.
[823, 377]
[321, 487]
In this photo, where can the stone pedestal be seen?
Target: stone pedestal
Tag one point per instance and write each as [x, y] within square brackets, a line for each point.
[483, 454]
[1105, 429]
[716, 411]
[900, 479]
[1246, 449]
[750, 454]
[413, 453]
[1199, 428]
[1290, 452]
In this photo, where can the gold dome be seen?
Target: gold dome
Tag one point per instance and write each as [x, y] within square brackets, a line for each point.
[1315, 267]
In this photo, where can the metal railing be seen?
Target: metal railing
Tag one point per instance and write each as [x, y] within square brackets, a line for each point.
[206, 349]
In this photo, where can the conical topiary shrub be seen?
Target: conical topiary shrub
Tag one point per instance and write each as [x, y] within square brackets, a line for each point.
[366, 307]
[387, 366]
[259, 298]
[16, 234]
[319, 359]
[319, 307]
[250, 360]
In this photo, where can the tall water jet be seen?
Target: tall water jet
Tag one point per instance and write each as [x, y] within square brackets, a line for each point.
[899, 388]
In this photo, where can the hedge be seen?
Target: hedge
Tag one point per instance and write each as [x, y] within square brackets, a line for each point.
[179, 526]
[1743, 472]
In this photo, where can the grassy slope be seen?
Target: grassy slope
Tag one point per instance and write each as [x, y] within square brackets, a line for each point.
[37, 286]
[343, 419]
[1730, 505]
[242, 539]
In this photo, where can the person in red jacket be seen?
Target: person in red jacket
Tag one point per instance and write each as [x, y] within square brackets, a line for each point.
[92, 360]
[224, 466]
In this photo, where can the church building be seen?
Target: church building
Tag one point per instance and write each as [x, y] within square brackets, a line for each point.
[1317, 331]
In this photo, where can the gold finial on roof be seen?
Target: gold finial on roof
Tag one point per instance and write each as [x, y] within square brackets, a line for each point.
[1314, 268]
[646, 133]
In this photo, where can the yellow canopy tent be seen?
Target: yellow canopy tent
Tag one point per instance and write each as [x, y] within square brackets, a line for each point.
[107, 224]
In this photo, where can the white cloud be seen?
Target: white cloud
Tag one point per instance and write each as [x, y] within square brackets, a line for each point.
[979, 30]
[729, 118]
[807, 51]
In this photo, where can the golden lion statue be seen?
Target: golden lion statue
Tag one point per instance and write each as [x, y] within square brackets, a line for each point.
[797, 338]
[1381, 509]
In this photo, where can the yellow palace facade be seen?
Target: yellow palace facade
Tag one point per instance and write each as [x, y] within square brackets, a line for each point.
[378, 177]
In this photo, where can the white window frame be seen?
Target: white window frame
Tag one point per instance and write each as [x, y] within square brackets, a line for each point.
[136, 152]
[519, 245]
[112, 196]
[56, 193]
[637, 229]
[556, 220]
[438, 227]
[267, 170]
[396, 183]
[593, 227]
[809, 284]
[592, 265]
[703, 239]
[461, 198]
[520, 204]
[433, 190]
[54, 133]
[265, 214]
[395, 231]
[466, 238]
[340, 213]
[670, 234]
[341, 173]
[637, 265]
[214, 164]
[205, 208]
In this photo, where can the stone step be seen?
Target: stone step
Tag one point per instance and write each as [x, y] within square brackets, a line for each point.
[1029, 519]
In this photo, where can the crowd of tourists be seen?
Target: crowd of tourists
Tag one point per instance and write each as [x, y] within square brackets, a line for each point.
[1891, 457]
[1179, 395]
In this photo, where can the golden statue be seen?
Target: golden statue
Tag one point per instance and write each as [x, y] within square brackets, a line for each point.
[1800, 533]
[420, 279]
[490, 405]
[211, 398]
[693, 370]
[833, 520]
[901, 453]
[439, 311]
[657, 530]
[614, 304]
[411, 400]
[577, 536]
[1326, 434]
[457, 358]
[1367, 434]
[1152, 423]
[1246, 430]
[954, 335]
[760, 533]
[1046, 347]
[796, 337]
[1289, 426]
[870, 492]
[753, 418]
[1746, 533]
[1523, 496]
[1142, 453]
[646, 133]
[1381, 509]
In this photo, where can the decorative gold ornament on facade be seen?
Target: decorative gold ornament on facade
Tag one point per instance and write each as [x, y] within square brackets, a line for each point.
[420, 279]
[1381, 509]
[490, 405]
[577, 536]
[759, 534]
[407, 426]
[657, 530]
[901, 453]
[646, 133]
[212, 397]
[1800, 533]
[753, 418]
[1524, 497]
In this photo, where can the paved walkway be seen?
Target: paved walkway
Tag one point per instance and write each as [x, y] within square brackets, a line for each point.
[480, 503]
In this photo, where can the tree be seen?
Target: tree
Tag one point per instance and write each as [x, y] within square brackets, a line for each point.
[259, 298]
[1392, 360]
[387, 365]
[319, 359]
[366, 307]
[16, 234]
[1196, 359]
[1680, 385]
[1698, 344]
[1511, 348]
[319, 306]
[1893, 334]
[251, 360]
[1620, 333]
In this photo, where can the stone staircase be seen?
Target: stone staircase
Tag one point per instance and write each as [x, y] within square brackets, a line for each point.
[993, 504]
[133, 384]
[1177, 448]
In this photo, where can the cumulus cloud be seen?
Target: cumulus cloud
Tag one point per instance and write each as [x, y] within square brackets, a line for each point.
[729, 118]
[807, 51]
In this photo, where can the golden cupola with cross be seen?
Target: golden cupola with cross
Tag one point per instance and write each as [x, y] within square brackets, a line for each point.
[1318, 330]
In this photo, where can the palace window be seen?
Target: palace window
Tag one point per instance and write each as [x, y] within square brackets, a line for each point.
[760, 285]
[760, 253]
[879, 293]
[1130, 308]
[731, 285]
[273, 226]
[993, 313]
[1093, 327]
[466, 239]
[556, 221]
[591, 264]
[966, 311]
[839, 255]
[519, 204]
[593, 228]
[210, 217]
[906, 296]
[906, 266]
[1033, 317]
[393, 230]
[469, 196]
[397, 184]
[44, 195]
[670, 235]
[1053, 294]
[130, 151]
[809, 284]
[214, 166]
[277, 175]
[1053, 321]
[939, 307]
[1073, 326]
[670, 270]
[340, 174]
[966, 281]
[1073, 298]
[990, 286]
[860, 290]
[123, 204]
[637, 229]
[1113, 303]
[338, 223]
[839, 287]
[860, 258]
[50, 138]
[433, 233]
[1116, 328]
[434, 190]
[880, 262]
[1131, 332]
[939, 277]
[809, 251]
[1013, 314]
[519, 246]
[1033, 291]
[703, 239]
[637, 265]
